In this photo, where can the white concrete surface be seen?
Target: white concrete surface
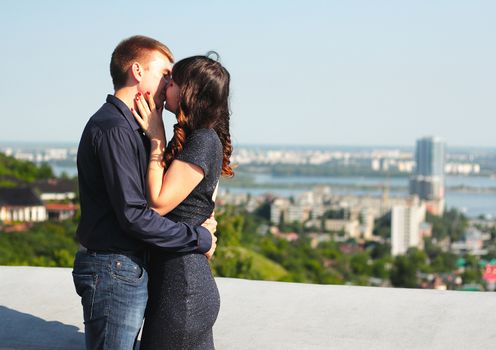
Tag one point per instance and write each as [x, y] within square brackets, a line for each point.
[39, 309]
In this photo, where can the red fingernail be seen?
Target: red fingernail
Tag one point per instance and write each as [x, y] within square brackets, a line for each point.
[132, 109]
[148, 92]
[139, 93]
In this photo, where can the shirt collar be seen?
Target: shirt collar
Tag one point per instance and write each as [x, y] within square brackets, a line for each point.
[124, 109]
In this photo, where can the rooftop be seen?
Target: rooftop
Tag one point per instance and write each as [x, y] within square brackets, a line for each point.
[56, 185]
[39, 309]
[19, 196]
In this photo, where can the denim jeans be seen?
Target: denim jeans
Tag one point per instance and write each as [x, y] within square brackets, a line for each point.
[113, 291]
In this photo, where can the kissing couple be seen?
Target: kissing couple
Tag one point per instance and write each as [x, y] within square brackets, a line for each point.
[147, 227]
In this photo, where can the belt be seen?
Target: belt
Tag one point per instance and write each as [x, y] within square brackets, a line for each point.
[140, 254]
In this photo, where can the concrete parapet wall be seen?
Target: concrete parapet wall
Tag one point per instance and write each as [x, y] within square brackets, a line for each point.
[39, 309]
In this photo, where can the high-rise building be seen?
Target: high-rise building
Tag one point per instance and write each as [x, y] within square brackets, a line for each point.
[427, 181]
[429, 157]
[406, 222]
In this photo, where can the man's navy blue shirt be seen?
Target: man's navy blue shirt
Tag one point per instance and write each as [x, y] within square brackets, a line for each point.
[112, 161]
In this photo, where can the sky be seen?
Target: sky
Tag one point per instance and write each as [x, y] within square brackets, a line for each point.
[302, 72]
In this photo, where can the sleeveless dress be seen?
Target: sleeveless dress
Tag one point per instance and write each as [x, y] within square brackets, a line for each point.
[183, 300]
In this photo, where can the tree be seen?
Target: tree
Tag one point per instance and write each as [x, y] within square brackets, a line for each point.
[419, 259]
[444, 262]
[378, 250]
[382, 226]
[230, 227]
[263, 211]
[452, 224]
[403, 273]
[45, 244]
[46, 172]
[472, 273]
[379, 269]
[359, 264]
[14, 171]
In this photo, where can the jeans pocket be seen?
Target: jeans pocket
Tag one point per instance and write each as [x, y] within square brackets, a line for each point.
[127, 270]
[85, 287]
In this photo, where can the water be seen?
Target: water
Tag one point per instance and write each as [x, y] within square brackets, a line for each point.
[472, 204]
[69, 170]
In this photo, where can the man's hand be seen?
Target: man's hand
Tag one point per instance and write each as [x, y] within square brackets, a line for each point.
[211, 225]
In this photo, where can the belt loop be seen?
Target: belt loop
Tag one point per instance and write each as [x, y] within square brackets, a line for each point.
[83, 249]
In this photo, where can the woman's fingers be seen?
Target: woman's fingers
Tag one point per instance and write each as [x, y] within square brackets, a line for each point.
[137, 117]
[150, 101]
[142, 111]
[144, 103]
[149, 118]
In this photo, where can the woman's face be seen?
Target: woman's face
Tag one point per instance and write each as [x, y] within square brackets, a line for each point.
[172, 97]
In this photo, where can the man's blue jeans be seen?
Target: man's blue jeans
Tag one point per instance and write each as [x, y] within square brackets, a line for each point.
[113, 290]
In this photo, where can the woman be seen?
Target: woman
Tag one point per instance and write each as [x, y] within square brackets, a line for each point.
[183, 298]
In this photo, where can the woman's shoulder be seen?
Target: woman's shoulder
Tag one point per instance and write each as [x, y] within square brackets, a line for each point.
[203, 148]
[205, 132]
[207, 136]
[201, 142]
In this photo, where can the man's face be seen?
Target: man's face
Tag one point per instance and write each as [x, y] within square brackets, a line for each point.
[156, 76]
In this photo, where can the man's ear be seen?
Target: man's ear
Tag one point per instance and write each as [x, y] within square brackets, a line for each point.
[137, 71]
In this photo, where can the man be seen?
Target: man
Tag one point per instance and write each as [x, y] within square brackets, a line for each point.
[116, 223]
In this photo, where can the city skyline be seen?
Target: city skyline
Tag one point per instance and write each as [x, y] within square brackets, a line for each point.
[402, 147]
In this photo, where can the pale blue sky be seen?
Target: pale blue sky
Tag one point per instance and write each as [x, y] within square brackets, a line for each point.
[303, 72]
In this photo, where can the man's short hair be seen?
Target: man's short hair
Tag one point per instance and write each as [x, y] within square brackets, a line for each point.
[135, 48]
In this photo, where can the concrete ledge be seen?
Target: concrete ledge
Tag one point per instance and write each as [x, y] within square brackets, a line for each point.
[39, 309]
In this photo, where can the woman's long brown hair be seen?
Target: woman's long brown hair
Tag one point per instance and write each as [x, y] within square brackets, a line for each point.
[203, 103]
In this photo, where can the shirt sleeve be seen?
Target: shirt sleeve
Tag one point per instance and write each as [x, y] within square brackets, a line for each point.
[117, 151]
[200, 149]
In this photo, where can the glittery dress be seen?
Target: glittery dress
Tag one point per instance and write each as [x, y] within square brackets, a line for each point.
[183, 300]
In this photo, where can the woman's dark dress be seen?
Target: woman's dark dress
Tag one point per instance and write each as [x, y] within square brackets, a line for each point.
[183, 300]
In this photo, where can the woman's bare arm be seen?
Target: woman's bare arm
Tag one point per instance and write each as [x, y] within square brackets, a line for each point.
[166, 189]
[174, 186]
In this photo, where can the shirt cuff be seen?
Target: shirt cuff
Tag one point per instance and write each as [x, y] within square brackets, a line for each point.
[204, 239]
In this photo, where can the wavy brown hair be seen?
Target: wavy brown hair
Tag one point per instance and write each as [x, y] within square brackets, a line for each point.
[203, 103]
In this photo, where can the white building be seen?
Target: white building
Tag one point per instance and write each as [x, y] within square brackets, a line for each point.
[406, 221]
[279, 210]
[22, 205]
[351, 228]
